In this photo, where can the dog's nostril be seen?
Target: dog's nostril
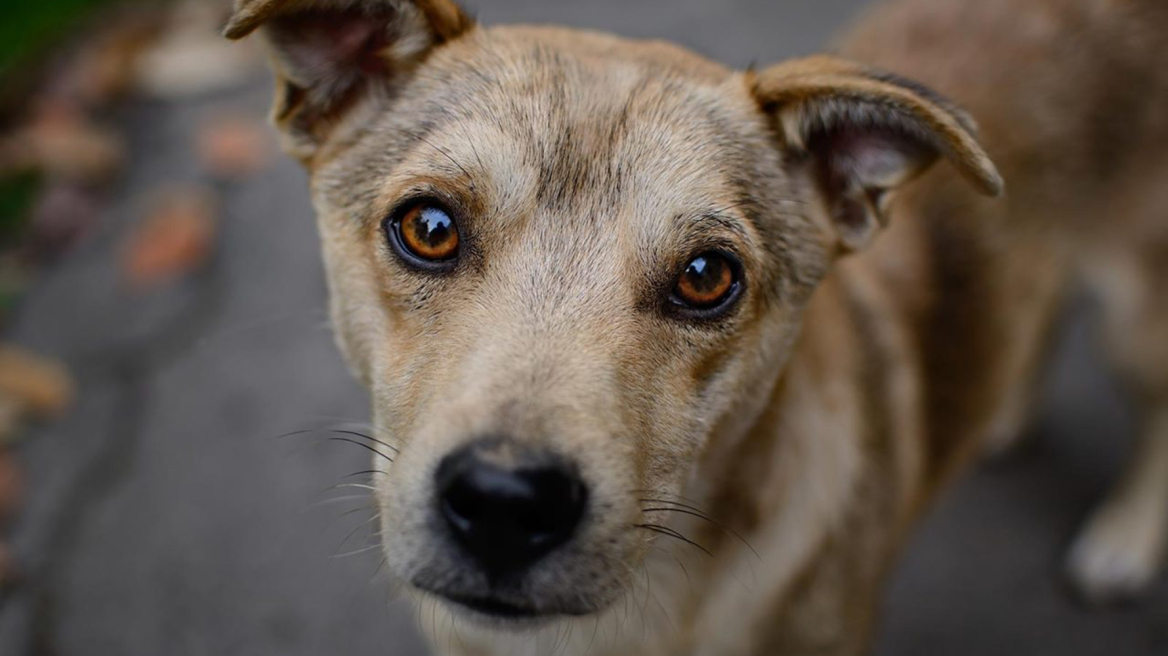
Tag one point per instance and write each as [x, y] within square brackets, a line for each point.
[507, 518]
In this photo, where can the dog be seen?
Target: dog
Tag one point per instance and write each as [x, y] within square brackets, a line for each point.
[666, 358]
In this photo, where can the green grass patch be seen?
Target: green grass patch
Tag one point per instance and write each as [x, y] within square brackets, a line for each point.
[17, 195]
[29, 27]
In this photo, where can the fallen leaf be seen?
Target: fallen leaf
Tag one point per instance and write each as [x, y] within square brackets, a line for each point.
[192, 58]
[176, 238]
[38, 386]
[61, 141]
[231, 147]
[11, 487]
[11, 421]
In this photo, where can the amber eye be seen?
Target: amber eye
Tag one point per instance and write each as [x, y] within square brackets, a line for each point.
[426, 235]
[708, 283]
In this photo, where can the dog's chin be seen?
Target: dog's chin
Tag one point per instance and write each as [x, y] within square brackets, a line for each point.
[493, 612]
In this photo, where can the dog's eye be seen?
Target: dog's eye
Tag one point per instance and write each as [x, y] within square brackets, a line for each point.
[425, 235]
[708, 284]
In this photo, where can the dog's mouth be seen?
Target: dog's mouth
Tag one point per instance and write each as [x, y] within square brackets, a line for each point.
[498, 610]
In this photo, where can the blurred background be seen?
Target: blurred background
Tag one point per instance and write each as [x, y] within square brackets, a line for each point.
[164, 346]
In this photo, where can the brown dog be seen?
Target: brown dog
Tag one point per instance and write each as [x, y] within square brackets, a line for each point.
[670, 357]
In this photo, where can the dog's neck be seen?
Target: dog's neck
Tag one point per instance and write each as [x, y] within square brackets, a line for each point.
[811, 460]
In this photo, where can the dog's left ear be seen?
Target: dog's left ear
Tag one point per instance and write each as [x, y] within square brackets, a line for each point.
[330, 54]
[865, 133]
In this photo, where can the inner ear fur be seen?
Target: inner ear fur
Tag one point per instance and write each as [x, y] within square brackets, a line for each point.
[866, 133]
[328, 54]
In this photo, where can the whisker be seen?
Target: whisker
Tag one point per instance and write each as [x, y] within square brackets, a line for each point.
[645, 603]
[687, 510]
[684, 571]
[354, 532]
[354, 512]
[359, 551]
[367, 471]
[457, 635]
[677, 503]
[591, 641]
[355, 486]
[339, 431]
[664, 613]
[664, 530]
[368, 437]
[449, 157]
[331, 500]
[474, 149]
[360, 444]
[377, 571]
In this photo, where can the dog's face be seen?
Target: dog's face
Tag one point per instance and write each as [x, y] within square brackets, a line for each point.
[568, 263]
[567, 266]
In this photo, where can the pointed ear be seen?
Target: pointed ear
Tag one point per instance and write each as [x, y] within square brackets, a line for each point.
[329, 54]
[864, 133]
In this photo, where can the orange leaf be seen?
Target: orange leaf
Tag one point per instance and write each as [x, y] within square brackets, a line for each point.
[174, 240]
[234, 147]
[35, 385]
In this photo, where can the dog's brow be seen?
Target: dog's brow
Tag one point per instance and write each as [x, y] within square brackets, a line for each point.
[721, 220]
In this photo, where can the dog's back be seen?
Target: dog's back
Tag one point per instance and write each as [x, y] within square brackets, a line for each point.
[1070, 95]
[1072, 102]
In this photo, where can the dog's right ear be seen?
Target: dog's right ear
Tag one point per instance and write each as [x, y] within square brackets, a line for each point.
[329, 54]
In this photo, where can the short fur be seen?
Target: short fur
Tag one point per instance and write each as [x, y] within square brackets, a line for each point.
[891, 327]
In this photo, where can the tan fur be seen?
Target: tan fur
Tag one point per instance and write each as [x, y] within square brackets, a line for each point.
[817, 419]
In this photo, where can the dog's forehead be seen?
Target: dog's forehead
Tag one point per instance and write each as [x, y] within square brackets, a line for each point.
[588, 137]
[576, 122]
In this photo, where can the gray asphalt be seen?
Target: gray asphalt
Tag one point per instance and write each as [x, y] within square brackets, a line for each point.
[166, 518]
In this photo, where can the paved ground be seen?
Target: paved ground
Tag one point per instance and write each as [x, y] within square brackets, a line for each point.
[166, 519]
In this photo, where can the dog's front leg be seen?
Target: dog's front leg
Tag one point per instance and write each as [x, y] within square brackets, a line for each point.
[1121, 550]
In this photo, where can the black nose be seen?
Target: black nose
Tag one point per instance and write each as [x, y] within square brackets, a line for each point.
[507, 506]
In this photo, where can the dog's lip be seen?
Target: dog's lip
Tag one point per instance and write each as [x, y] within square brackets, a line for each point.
[496, 608]
[486, 604]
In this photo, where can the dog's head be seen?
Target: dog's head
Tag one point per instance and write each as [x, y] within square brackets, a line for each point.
[566, 265]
